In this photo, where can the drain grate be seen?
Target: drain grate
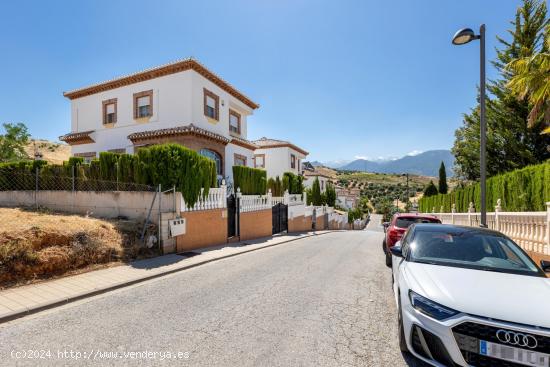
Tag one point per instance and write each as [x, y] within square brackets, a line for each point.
[189, 253]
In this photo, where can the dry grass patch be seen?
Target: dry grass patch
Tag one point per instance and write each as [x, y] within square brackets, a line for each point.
[36, 245]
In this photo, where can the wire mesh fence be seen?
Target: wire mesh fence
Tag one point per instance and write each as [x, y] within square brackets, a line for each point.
[38, 181]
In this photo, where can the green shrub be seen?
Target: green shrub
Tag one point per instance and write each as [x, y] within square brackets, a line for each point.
[526, 189]
[251, 181]
[276, 186]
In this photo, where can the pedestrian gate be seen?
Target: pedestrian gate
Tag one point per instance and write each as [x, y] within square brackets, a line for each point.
[232, 216]
[280, 218]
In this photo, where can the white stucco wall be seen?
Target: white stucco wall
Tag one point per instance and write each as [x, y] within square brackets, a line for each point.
[177, 101]
[277, 160]
[308, 182]
[230, 151]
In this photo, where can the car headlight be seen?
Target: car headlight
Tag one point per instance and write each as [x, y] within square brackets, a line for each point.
[431, 308]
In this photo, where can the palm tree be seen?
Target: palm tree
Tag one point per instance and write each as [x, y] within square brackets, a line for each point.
[531, 81]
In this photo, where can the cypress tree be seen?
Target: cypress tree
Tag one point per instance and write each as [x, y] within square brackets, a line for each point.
[430, 190]
[316, 198]
[443, 188]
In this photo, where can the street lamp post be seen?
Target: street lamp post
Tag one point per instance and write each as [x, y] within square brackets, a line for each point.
[462, 37]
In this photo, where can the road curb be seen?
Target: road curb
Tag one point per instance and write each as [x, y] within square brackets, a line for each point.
[45, 306]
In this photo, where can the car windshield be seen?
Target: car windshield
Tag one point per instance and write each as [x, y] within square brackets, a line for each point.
[471, 249]
[405, 222]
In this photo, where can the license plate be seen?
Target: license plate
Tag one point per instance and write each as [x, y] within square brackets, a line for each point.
[513, 354]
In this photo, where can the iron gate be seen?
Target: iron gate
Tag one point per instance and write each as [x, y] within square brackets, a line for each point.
[280, 218]
[232, 216]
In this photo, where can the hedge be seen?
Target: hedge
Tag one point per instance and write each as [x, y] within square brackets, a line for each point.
[276, 186]
[251, 181]
[526, 189]
[293, 183]
[168, 165]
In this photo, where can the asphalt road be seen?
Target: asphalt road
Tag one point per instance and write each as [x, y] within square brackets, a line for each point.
[319, 301]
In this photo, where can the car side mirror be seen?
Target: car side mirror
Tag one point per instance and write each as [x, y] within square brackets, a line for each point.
[545, 265]
[396, 249]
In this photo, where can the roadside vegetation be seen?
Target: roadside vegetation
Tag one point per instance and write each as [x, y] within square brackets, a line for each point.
[518, 100]
[38, 245]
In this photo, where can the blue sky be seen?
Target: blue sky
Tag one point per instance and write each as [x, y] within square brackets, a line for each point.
[342, 79]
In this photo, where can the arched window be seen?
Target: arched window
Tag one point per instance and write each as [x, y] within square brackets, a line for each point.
[215, 157]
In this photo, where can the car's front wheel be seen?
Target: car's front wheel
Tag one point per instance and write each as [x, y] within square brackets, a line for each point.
[401, 329]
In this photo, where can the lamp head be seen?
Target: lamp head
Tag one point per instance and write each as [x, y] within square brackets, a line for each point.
[464, 36]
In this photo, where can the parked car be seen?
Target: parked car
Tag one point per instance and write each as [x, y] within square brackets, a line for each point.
[396, 228]
[470, 297]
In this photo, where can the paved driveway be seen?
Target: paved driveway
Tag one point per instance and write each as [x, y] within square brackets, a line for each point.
[319, 301]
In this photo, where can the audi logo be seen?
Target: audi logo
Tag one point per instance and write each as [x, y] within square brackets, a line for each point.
[517, 339]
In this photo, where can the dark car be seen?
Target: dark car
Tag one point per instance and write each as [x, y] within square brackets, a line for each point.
[397, 227]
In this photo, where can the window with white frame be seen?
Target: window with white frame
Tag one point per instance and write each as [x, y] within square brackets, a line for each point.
[234, 122]
[259, 161]
[211, 104]
[239, 160]
[109, 111]
[143, 104]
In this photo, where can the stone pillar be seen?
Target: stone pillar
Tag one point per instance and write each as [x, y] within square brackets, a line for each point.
[471, 209]
[548, 228]
[498, 208]
[453, 211]
[286, 197]
[269, 198]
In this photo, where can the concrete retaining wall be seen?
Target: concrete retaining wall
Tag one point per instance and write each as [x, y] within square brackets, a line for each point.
[299, 224]
[108, 204]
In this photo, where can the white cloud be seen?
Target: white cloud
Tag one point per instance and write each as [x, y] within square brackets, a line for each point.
[415, 152]
[361, 157]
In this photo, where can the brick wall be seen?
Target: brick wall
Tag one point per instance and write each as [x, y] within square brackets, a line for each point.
[204, 228]
[256, 224]
[299, 224]
[320, 223]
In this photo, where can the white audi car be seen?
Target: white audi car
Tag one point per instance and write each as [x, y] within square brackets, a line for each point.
[470, 297]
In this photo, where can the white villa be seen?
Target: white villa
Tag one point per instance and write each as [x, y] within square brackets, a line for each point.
[181, 102]
[278, 157]
[309, 178]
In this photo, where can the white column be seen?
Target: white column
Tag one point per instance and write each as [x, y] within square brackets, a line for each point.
[286, 197]
[453, 211]
[269, 198]
[470, 210]
[498, 208]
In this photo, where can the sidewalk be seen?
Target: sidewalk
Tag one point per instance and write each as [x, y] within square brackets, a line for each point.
[28, 299]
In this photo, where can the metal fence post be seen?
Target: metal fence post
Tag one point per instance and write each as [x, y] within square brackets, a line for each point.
[160, 218]
[175, 205]
[73, 176]
[36, 188]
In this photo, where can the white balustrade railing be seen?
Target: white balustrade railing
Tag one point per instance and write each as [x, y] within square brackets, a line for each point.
[295, 199]
[531, 230]
[215, 199]
[252, 203]
[278, 200]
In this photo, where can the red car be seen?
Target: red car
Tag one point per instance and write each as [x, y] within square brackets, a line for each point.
[398, 226]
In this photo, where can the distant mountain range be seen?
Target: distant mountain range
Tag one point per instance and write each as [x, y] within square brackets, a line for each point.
[425, 164]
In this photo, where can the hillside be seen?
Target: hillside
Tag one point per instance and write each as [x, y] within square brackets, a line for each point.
[52, 152]
[425, 164]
